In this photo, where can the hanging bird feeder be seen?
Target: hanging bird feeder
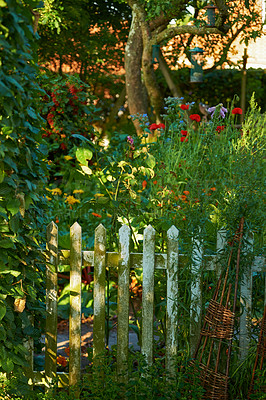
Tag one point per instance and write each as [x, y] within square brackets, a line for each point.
[155, 53]
[211, 14]
[196, 74]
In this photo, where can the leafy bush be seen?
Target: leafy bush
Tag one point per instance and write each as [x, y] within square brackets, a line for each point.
[22, 177]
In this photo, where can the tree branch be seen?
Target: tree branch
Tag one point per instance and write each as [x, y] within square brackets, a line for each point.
[173, 31]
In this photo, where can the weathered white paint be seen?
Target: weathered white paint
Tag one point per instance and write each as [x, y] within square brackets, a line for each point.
[172, 293]
[148, 293]
[51, 303]
[196, 298]
[99, 293]
[75, 303]
[220, 245]
[123, 302]
[246, 301]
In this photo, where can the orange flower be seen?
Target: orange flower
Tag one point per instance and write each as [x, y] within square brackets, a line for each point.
[182, 197]
[96, 215]
[186, 192]
[144, 184]
[61, 360]
[67, 351]
[213, 189]
[155, 182]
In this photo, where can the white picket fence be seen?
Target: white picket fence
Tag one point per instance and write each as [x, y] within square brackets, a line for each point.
[124, 261]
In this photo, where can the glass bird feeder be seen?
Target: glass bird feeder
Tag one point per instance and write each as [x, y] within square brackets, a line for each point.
[196, 73]
[211, 14]
[155, 53]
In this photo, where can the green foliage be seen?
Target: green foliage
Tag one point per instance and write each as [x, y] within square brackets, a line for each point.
[68, 108]
[22, 177]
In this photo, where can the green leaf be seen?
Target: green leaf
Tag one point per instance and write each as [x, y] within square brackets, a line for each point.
[14, 223]
[2, 310]
[83, 155]
[5, 91]
[2, 172]
[11, 272]
[2, 3]
[7, 365]
[13, 206]
[150, 161]
[31, 113]
[7, 244]
[2, 333]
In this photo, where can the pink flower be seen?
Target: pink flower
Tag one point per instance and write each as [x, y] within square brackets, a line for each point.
[195, 117]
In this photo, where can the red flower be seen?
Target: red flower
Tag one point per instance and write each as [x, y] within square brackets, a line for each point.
[161, 126]
[184, 133]
[195, 117]
[184, 106]
[220, 128]
[183, 139]
[153, 127]
[61, 360]
[237, 111]
[63, 146]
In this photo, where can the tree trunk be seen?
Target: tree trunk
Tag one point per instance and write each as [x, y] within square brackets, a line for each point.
[133, 58]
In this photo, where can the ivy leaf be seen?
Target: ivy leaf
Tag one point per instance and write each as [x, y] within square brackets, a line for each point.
[13, 206]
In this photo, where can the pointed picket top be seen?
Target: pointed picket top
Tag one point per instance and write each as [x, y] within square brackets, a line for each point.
[75, 227]
[51, 225]
[51, 231]
[124, 231]
[100, 228]
[173, 233]
[149, 232]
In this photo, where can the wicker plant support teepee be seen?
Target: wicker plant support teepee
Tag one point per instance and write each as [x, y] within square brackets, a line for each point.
[217, 332]
[260, 356]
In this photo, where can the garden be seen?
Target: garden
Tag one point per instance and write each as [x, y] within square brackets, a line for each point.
[149, 223]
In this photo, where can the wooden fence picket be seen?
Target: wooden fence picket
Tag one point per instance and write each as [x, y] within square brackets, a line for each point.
[99, 294]
[51, 303]
[171, 296]
[148, 293]
[196, 295]
[123, 302]
[75, 304]
[246, 301]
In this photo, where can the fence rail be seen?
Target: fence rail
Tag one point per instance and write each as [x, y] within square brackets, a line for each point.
[124, 261]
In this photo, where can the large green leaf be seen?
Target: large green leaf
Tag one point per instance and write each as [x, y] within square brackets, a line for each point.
[150, 161]
[84, 155]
